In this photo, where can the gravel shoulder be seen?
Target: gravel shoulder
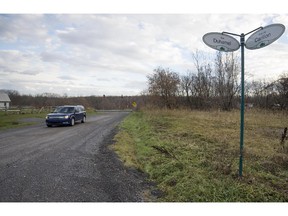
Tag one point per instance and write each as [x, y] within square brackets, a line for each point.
[67, 164]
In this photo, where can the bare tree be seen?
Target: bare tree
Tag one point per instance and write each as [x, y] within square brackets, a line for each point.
[227, 73]
[164, 83]
[202, 81]
[257, 93]
[278, 92]
[282, 89]
[186, 86]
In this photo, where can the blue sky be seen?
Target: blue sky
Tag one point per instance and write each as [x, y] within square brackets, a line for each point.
[82, 54]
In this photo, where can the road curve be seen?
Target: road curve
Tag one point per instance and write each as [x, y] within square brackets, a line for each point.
[66, 164]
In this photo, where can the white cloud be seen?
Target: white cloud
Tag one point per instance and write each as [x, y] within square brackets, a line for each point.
[113, 54]
[14, 61]
[22, 28]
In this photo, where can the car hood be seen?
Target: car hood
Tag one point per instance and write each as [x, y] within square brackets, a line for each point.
[59, 114]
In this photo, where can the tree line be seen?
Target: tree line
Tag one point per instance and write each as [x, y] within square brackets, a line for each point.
[214, 84]
[53, 100]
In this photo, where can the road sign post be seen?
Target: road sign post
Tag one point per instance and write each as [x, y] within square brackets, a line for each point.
[242, 43]
[223, 42]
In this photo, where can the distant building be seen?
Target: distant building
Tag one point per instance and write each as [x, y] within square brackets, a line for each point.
[4, 101]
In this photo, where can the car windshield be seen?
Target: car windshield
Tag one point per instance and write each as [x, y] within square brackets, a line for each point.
[64, 110]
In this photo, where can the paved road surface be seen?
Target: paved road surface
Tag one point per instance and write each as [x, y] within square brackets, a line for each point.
[66, 164]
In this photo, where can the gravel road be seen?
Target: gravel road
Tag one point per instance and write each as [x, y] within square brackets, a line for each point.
[66, 164]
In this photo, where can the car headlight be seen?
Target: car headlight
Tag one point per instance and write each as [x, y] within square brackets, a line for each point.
[47, 117]
[66, 117]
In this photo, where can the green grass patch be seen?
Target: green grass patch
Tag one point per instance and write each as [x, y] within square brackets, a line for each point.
[17, 120]
[193, 156]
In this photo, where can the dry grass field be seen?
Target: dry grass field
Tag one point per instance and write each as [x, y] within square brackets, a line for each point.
[193, 156]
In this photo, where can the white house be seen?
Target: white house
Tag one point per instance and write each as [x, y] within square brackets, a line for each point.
[4, 101]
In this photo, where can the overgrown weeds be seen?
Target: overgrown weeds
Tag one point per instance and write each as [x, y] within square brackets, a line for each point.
[193, 155]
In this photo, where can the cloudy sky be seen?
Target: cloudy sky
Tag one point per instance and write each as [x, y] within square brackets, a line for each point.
[81, 54]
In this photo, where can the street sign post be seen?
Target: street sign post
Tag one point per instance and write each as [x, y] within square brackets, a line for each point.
[223, 42]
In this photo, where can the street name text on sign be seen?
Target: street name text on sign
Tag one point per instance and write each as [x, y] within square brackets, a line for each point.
[265, 36]
[221, 42]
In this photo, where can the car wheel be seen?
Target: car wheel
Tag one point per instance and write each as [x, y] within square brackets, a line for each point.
[72, 122]
[84, 119]
[48, 125]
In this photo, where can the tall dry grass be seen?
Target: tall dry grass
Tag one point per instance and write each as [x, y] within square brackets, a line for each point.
[197, 152]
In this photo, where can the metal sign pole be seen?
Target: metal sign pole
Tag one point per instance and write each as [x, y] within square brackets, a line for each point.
[223, 42]
[242, 43]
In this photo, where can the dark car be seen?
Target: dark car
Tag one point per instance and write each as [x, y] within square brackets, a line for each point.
[66, 115]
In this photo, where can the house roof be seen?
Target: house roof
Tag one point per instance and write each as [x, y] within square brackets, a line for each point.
[4, 97]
